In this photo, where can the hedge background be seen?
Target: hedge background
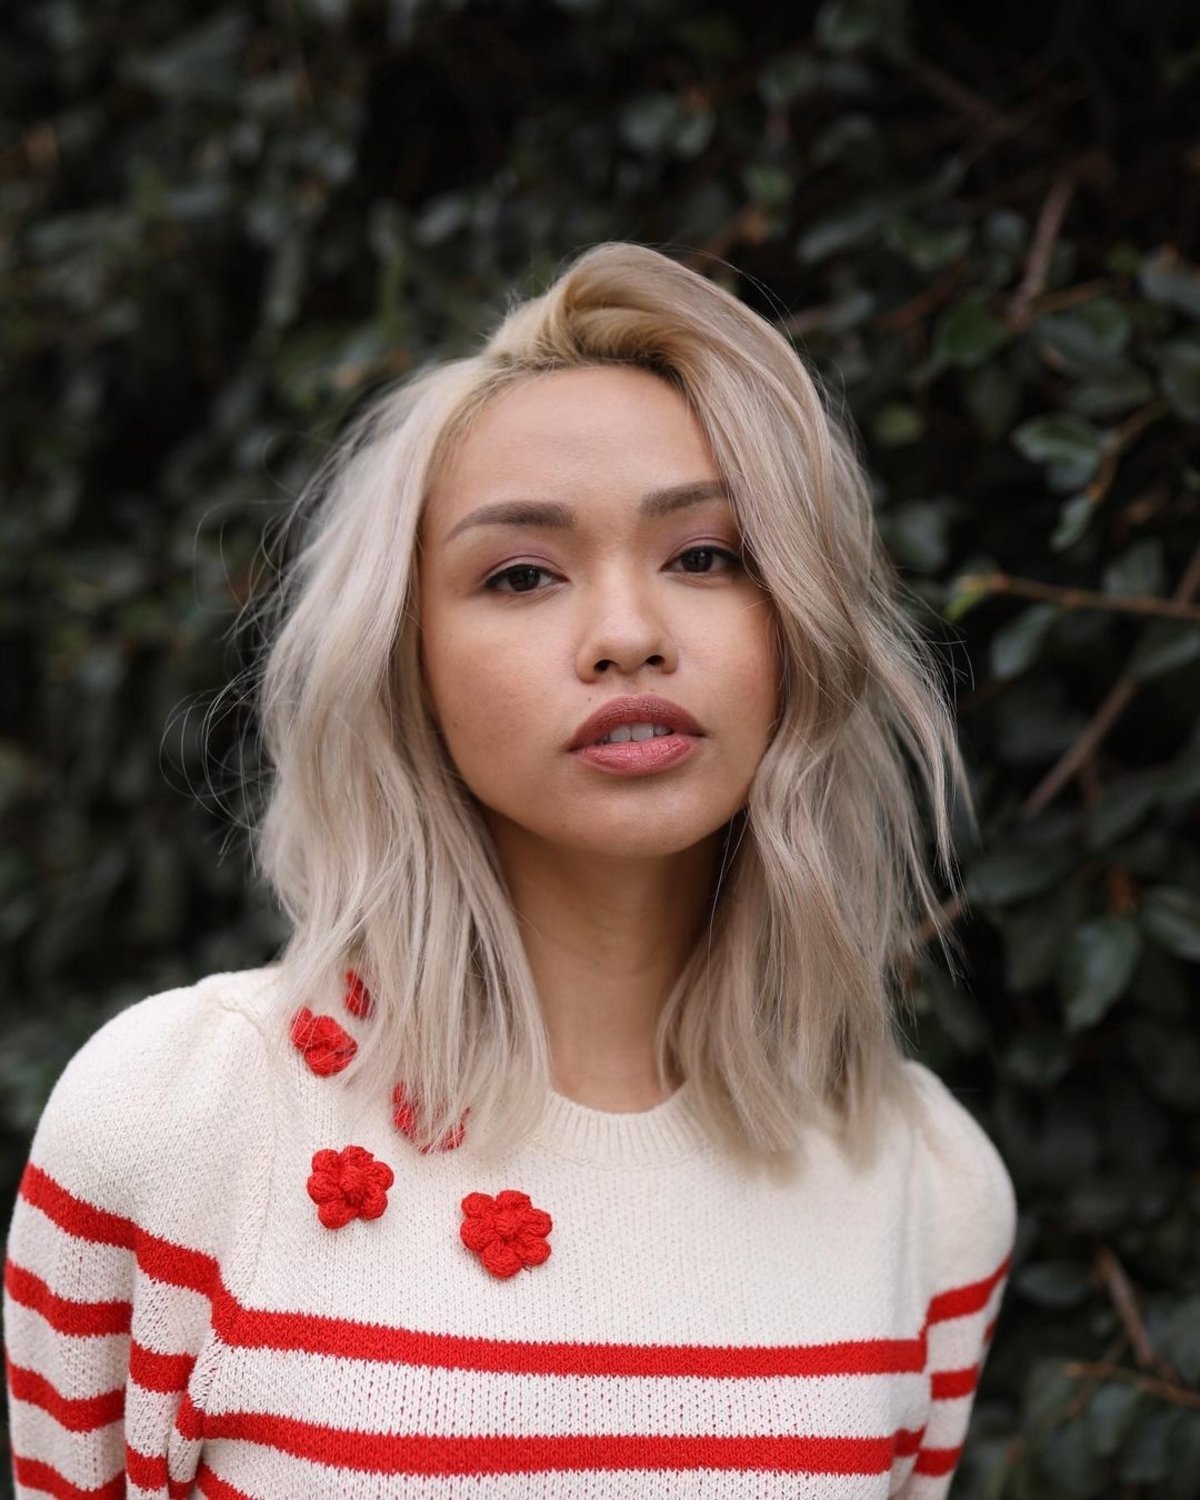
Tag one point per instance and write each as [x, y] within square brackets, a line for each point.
[225, 224]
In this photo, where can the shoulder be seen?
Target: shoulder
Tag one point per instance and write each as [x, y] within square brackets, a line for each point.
[970, 1192]
[177, 1077]
[173, 1045]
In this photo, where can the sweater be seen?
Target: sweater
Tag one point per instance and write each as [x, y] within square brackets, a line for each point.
[229, 1275]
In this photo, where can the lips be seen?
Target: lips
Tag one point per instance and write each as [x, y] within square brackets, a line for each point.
[647, 709]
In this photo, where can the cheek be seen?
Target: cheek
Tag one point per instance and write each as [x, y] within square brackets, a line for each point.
[484, 690]
[752, 667]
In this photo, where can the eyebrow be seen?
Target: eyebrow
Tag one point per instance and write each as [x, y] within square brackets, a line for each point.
[553, 513]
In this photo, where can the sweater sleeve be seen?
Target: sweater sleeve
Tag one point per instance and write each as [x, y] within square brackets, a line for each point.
[972, 1218]
[138, 1196]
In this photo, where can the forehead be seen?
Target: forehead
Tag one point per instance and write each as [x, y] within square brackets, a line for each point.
[602, 432]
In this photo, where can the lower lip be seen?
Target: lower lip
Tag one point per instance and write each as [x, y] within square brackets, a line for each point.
[639, 757]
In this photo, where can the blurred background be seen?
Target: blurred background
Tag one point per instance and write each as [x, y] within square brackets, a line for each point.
[223, 225]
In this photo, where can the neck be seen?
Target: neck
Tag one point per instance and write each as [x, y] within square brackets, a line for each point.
[606, 938]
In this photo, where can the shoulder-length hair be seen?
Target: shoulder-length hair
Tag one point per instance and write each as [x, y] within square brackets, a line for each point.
[788, 1013]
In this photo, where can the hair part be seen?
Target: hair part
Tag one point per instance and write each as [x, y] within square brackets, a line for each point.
[788, 1014]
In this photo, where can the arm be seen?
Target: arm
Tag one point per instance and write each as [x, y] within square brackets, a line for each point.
[973, 1222]
[68, 1306]
[134, 1193]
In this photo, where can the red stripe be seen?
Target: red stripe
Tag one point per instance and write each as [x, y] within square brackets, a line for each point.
[252, 1328]
[386, 1453]
[937, 1460]
[84, 1220]
[147, 1470]
[165, 1373]
[83, 1318]
[961, 1300]
[215, 1488]
[948, 1385]
[75, 1413]
[37, 1475]
[189, 1420]
[160, 1258]
[317, 1334]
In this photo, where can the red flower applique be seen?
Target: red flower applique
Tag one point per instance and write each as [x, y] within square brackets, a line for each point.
[357, 998]
[348, 1184]
[506, 1232]
[404, 1118]
[327, 1048]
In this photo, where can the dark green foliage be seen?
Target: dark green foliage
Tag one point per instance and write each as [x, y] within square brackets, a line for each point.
[223, 225]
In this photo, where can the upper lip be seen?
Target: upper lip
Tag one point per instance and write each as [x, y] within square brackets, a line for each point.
[648, 709]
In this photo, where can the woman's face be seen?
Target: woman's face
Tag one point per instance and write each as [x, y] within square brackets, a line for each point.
[527, 629]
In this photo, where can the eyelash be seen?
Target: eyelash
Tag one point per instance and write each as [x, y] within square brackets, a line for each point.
[489, 583]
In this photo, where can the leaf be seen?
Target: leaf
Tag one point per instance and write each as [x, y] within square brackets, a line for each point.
[1163, 646]
[1119, 808]
[1053, 1283]
[1171, 915]
[992, 393]
[1167, 279]
[767, 183]
[845, 25]
[841, 229]
[1062, 438]
[897, 423]
[927, 247]
[957, 1012]
[1183, 1339]
[1097, 965]
[1016, 644]
[1010, 874]
[1117, 391]
[1074, 515]
[965, 591]
[1183, 1457]
[661, 122]
[1066, 1457]
[1138, 570]
[968, 334]
[1090, 338]
[1169, 1060]
[1180, 373]
[916, 534]
[1145, 1458]
[786, 77]
[1037, 1059]
[1110, 1415]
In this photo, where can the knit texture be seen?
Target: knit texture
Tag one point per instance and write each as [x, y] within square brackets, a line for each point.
[234, 1277]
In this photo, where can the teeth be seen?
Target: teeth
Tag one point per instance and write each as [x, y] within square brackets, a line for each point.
[623, 733]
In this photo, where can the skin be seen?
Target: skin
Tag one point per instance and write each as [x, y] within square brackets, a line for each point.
[610, 877]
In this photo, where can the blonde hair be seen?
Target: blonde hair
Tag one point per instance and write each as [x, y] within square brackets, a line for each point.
[787, 1014]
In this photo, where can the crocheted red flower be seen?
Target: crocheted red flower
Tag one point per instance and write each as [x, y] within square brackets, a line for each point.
[348, 1184]
[357, 998]
[404, 1118]
[506, 1232]
[327, 1048]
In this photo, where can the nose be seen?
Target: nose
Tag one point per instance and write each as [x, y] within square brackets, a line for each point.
[623, 628]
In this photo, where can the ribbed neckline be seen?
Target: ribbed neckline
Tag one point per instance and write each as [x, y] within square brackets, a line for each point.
[667, 1132]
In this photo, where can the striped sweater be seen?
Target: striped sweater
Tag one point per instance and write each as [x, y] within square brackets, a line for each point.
[227, 1277]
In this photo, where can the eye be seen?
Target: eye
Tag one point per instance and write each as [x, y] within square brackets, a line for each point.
[519, 572]
[707, 551]
[518, 569]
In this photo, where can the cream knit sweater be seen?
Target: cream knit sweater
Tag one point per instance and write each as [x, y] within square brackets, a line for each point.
[224, 1280]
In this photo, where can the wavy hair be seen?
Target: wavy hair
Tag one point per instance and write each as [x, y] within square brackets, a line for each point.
[788, 1013]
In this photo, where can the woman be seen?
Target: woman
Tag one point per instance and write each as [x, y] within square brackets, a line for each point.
[570, 1149]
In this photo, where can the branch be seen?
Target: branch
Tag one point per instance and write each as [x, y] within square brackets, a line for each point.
[1112, 1274]
[1104, 718]
[1070, 598]
[1037, 267]
[1096, 1369]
